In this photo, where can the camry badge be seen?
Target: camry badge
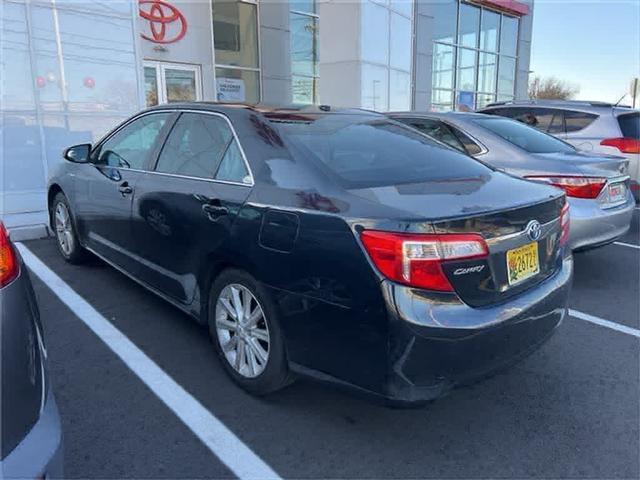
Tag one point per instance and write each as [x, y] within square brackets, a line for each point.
[534, 230]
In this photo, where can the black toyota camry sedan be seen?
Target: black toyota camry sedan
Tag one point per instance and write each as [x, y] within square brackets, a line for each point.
[338, 244]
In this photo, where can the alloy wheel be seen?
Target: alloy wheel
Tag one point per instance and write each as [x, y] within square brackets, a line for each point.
[64, 230]
[242, 330]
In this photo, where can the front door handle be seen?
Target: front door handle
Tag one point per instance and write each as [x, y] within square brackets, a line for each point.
[125, 189]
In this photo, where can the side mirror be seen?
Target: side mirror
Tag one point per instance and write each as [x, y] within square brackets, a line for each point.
[78, 153]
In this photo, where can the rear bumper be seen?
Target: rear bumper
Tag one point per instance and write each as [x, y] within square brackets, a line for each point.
[40, 452]
[438, 342]
[592, 226]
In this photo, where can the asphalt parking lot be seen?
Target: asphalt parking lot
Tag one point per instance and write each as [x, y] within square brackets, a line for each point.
[571, 410]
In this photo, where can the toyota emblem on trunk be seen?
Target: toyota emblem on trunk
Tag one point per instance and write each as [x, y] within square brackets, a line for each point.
[534, 229]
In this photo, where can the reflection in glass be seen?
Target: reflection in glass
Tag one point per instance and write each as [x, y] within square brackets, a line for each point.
[235, 85]
[443, 65]
[374, 87]
[307, 6]
[181, 85]
[305, 89]
[441, 100]
[489, 31]
[399, 90]
[466, 69]
[506, 76]
[375, 33]
[509, 36]
[151, 86]
[405, 7]
[235, 33]
[400, 54]
[487, 70]
[446, 13]
[304, 44]
[484, 99]
[469, 25]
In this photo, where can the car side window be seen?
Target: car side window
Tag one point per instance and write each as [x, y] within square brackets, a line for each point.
[576, 121]
[232, 168]
[131, 145]
[557, 123]
[195, 146]
[470, 146]
[438, 130]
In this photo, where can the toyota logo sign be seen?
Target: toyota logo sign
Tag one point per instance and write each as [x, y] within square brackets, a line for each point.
[534, 229]
[166, 22]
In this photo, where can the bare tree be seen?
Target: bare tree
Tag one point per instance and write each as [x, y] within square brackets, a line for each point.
[551, 88]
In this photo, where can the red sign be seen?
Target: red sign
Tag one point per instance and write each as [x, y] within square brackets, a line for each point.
[510, 6]
[166, 22]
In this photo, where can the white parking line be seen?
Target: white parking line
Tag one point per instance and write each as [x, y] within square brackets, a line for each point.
[630, 245]
[604, 323]
[221, 441]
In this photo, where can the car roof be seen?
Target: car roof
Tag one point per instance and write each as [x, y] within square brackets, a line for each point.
[423, 114]
[262, 108]
[581, 105]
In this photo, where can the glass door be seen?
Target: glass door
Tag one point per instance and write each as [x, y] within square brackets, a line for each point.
[171, 82]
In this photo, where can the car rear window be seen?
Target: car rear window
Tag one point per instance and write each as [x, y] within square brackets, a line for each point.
[527, 138]
[630, 125]
[576, 121]
[364, 151]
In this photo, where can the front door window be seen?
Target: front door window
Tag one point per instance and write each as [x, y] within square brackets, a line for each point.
[167, 83]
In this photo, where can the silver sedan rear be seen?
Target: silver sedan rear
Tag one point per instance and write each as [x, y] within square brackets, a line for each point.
[597, 186]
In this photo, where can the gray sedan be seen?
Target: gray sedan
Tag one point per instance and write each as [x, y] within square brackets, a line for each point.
[600, 202]
[31, 440]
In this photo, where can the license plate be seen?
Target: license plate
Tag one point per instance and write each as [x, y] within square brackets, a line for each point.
[522, 263]
[617, 192]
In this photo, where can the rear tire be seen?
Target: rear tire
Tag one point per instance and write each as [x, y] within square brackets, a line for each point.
[244, 328]
[65, 231]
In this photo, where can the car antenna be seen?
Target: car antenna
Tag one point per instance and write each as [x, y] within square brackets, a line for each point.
[621, 98]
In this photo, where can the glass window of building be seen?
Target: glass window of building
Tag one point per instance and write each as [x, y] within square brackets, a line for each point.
[469, 25]
[235, 32]
[489, 31]
[387, 59]
[375, 33]
[375, 87]
[303, 25]
[399, 54]
[444, 29]
[480, 48]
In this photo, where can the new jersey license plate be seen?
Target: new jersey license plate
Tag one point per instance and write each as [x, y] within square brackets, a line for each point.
[522, 263]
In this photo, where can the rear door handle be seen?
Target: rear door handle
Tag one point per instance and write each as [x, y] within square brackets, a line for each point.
[125, 189]
[214, 209]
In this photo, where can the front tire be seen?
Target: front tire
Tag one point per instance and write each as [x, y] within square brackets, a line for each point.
[243, 323]
[65, 231]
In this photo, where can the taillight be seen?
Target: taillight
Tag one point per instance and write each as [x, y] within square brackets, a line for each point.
[564, 224]
[8, 260]
[624, 144]
[574, 186]
[416, 259]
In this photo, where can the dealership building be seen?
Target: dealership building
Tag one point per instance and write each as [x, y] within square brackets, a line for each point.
[73, 69]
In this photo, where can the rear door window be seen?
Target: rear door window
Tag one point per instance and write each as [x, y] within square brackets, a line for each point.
[436, 129]
[576, 121]
[470, 146]
[630, 125]
[195, 146]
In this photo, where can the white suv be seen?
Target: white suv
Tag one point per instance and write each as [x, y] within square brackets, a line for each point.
[588, 126]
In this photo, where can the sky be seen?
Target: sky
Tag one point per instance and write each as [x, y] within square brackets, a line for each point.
[593, 44]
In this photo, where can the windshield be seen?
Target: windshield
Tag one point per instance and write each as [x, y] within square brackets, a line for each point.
[527, 138]
[366, 150]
